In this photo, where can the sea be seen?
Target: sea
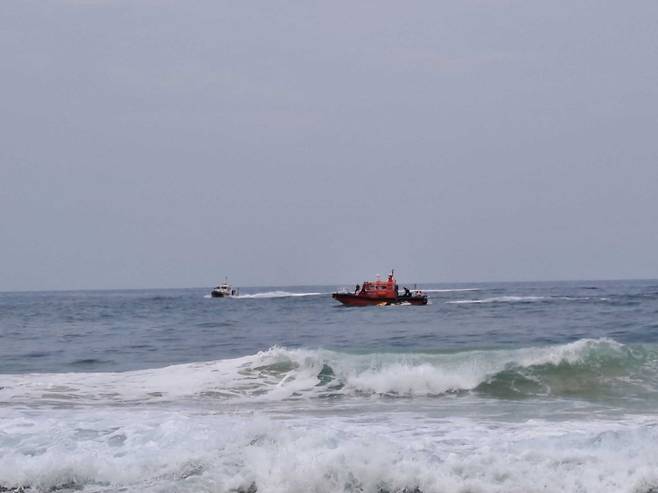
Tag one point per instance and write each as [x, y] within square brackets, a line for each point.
[491, 387]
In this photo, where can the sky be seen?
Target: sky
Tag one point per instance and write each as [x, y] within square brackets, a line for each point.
[161, 143]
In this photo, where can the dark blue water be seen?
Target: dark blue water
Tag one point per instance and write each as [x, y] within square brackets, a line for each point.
[132, 329]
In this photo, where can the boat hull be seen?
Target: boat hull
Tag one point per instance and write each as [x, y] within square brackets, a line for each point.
[217, 294]
[351, 299]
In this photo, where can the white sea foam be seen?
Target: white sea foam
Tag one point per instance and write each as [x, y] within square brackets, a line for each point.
[177, 428]
[157, 450]
[436, 374]
[279, 374]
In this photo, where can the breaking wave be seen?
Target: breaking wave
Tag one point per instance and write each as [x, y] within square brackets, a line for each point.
[103, 432]
[587, 368]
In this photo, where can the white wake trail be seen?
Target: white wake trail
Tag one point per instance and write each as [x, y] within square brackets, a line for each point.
[276, 294]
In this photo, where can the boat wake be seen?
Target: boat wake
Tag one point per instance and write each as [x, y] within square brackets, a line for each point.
[450, 290]
[500, 299]
[270, 294]
[276, 294]
[525, 299]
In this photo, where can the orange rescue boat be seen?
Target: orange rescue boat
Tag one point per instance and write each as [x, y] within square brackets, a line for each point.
[380, 293]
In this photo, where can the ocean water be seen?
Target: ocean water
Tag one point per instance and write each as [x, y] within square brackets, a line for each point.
[529, 387]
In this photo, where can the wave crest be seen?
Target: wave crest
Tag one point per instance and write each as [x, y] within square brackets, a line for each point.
[587, 367]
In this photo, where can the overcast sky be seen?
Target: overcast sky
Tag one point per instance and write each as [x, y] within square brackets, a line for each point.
[162, 143]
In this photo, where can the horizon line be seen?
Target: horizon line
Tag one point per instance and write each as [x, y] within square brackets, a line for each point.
[69, 290]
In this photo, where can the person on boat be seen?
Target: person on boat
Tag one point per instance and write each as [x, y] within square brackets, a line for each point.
[356, 289]
[407, 293]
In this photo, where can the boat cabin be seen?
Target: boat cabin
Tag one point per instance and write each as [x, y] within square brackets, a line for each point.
[379, 288]
[224, 288]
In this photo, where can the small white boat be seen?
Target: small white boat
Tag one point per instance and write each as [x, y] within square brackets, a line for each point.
[223, 290]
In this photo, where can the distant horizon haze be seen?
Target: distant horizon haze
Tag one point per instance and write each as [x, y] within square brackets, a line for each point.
[408, 283]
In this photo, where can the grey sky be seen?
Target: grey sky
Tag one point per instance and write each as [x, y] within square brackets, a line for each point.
[170, 143]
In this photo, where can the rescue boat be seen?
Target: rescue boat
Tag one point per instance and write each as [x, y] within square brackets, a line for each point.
[380, 292]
